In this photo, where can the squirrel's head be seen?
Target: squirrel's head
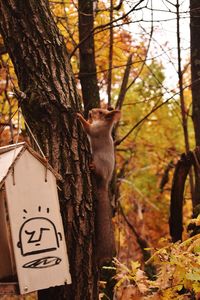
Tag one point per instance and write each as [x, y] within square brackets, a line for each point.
[108, 116]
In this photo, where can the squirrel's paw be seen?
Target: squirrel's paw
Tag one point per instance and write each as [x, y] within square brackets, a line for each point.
[92, 166]
[79, 116]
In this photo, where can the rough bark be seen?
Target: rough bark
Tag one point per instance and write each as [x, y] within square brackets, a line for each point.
[195, 65]
[195, 74]
[41, 63]
[87, 74]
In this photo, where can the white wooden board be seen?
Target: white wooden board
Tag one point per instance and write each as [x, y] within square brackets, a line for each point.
[6, 160]
[36, 226]
[6, 266]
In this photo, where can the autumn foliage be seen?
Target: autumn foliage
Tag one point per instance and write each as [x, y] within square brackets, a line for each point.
[148, 264]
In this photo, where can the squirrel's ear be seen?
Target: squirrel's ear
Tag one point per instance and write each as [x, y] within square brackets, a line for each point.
[117, 115]
[114, 114]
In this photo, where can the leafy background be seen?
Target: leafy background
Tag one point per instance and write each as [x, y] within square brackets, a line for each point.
[145, 160]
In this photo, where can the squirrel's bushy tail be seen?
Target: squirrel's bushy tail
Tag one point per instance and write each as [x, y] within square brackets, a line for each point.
[105, 241]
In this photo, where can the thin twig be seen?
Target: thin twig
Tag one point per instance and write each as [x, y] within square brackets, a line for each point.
[106, 25]
[155, 108]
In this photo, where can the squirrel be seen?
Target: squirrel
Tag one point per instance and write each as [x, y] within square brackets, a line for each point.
[99, 131]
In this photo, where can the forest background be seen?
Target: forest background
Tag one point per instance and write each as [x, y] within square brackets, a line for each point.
[141, 65]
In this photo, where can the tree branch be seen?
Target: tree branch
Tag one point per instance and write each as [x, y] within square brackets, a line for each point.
[106, 25]
[123, 89]
[118, 142]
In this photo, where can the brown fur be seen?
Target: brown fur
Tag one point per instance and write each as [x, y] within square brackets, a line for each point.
[99, 130]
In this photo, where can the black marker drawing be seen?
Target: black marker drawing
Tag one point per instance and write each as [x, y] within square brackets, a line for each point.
[33, 236]
[38, 235]
[44, 262]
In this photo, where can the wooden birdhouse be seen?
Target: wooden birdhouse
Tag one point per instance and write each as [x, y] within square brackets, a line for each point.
[32, 242]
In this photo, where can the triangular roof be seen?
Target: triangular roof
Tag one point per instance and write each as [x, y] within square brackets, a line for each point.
[11, 153]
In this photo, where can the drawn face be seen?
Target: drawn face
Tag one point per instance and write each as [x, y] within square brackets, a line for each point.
[37, 235]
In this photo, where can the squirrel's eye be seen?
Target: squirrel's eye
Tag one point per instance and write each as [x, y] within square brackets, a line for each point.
[100, 112]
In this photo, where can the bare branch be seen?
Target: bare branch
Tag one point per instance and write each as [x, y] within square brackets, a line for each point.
[123, 89]
[141, 242]
[155, 108]
[106, 25]
[147, 51]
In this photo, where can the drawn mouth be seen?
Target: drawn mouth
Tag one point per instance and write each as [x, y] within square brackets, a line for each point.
[44, 262]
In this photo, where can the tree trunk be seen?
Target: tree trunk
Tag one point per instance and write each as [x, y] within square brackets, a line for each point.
[110, 56]
[195, 65]
[182, 99]
[41, 63]
[195, 74]
[176, 206]
[87, 74]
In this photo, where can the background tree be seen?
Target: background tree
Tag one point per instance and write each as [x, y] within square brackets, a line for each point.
[184, 166]
[195, 68]
[195, 77]
[87, 72]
